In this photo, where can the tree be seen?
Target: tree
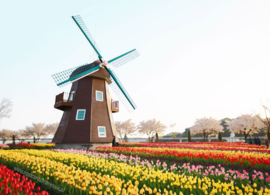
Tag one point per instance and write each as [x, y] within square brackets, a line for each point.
[262, 132]
[219, 137]
[125, 128]
[207, 127]
[173, 134]
[37, 130]
[226, 131]
[129, 127]
[119, 129]
[157, 138]
[51, 128]
[13, 139]
[172, 128]
[266, 121]
[16, 135]
[151, 127]
[189, 136]
[126, 138]
[245, 124]
[5, 108]
[185, 133]
[6, 134]
[22, 135]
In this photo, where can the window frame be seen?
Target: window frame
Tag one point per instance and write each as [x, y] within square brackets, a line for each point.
[102, 132]
[97, 96]
[78, 113]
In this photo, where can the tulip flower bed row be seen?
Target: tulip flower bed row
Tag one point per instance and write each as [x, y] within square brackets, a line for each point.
[254, 160]
[14, 184]
[69, 178]
[261, 178]
[200, 147]
[230, 147]
[29, 146]
[137, 179]
[49, 144]
[212, 144]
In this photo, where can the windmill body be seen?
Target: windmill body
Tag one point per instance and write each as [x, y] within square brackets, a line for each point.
[87, 119]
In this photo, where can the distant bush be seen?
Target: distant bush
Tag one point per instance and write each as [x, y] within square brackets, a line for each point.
[4, 146]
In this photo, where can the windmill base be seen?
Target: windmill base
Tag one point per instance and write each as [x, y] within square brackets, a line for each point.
[81, 146]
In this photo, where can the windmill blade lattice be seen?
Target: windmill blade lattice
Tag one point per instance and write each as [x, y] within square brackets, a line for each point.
[120, 91]
[66, 76]
[124, 58]
[78, 20]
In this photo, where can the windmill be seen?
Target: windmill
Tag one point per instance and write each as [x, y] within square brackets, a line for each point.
[87, 119]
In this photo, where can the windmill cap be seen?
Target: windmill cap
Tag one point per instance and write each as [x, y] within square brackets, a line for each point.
[99, 73]
[84, 68]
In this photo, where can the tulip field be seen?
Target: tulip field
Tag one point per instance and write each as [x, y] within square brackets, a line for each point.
[231, 146]
[14, 183]
[141, 168]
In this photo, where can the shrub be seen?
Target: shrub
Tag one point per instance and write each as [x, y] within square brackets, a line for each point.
[4, 146]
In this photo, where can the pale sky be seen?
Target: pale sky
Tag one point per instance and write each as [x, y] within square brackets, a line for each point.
[197, 58]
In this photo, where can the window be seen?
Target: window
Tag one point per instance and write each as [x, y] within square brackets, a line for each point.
[101, 131]
[80, 114]
[71, 97]
[99, 96]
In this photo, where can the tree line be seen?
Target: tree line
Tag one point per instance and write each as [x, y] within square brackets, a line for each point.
[35, 131]
[244, 125]
[146, 127]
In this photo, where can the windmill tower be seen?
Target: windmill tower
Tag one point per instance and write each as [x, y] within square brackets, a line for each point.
[87, 120]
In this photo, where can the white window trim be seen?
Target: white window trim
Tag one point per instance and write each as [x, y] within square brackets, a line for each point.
[78, 113]
[96, 96]
[104, 132]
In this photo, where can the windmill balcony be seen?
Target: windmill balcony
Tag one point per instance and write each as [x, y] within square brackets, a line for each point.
[115, 106]
[64, 100]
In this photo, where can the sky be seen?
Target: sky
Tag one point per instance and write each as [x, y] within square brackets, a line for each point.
[197, 58]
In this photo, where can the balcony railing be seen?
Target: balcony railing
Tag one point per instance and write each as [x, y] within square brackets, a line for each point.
[115, 106]
[64, 100]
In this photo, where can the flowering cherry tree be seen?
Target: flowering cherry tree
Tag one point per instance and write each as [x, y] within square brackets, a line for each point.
[151, 127]
[206, 126]
[37, 130]
[246, 124]
[266, 120]
[5, 135]
[125, 128]
[51, 128]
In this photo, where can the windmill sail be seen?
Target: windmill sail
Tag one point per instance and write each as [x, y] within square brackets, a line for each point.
[124, 58]
[78, 20]
[120, 91]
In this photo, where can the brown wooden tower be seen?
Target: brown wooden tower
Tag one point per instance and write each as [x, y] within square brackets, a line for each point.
[87, 120]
